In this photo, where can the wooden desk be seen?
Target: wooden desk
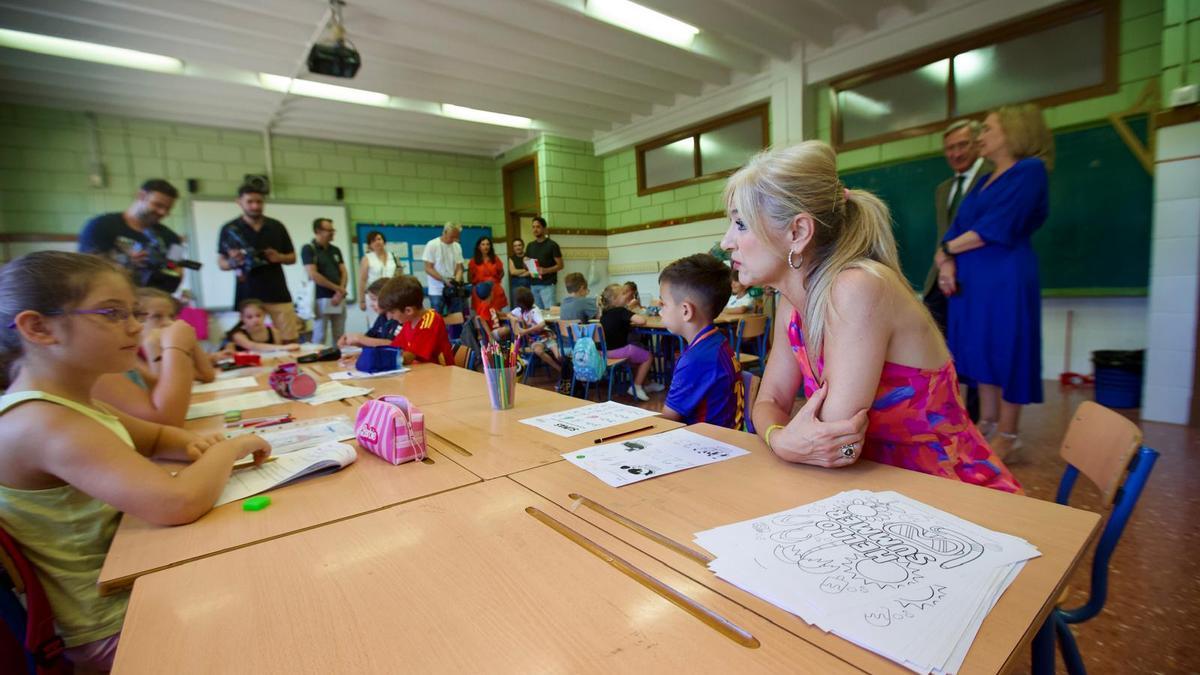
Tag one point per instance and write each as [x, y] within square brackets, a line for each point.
[493, 443]
[426, 383]
[680, 504]
[466, 581]
[369, 484]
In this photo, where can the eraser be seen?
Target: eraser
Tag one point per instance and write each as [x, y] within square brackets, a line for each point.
[233, 415]
[256, 503]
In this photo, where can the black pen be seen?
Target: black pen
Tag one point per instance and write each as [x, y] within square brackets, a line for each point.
[623, 433]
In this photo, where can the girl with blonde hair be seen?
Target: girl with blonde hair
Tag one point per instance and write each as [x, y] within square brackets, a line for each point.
[989, 270]
[878, 377]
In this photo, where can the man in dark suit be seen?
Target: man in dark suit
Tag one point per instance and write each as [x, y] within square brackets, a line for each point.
[962, 154]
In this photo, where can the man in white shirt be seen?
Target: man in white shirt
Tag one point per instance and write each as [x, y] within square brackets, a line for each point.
[444, 262]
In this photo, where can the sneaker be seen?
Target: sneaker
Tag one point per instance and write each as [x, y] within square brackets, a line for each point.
[638, 393]
[653, 388]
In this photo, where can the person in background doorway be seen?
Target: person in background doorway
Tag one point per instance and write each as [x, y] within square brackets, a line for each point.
[518, 274]
[548, 257]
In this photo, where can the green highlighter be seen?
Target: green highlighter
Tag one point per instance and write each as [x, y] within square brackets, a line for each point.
[256, 503]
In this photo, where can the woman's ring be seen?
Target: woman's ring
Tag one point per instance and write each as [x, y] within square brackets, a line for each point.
[848, 450]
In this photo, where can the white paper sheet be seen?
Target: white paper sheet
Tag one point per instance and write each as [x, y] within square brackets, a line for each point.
[285, 469]
[587, 418]
[293, 436]
[883, 571]
[341, 375]
[638, 459]
[334, 391]
[241, 372]
[243, 402]
[244, 382]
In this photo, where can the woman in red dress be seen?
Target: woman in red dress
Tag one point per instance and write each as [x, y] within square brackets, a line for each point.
[486, 266]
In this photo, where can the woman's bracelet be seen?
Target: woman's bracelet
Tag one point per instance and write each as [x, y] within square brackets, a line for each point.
[185, 351]
[767, 436]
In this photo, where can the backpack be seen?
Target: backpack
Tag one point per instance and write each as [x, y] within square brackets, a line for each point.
[586, 359]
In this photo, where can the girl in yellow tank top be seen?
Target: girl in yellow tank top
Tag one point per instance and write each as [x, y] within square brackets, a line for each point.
[68, 468]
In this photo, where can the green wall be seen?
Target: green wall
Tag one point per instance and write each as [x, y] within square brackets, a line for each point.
[1181, 19]
[44, 161]
[570, 180]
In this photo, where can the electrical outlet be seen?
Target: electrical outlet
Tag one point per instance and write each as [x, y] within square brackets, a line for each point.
[1185, 95]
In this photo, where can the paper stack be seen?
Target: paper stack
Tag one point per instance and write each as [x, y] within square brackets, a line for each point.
[890, 574]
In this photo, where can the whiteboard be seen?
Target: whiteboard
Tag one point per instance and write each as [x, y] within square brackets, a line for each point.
[215, 287]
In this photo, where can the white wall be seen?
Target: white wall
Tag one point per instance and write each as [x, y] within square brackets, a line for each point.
[1174, 276]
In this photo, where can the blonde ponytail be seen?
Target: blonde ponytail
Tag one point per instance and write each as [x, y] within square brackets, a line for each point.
[852, 228]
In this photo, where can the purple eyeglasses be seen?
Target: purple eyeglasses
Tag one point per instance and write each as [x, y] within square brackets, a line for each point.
[113, 314]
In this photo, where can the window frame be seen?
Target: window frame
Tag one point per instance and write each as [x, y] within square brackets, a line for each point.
[1109, 10]
[695, 131]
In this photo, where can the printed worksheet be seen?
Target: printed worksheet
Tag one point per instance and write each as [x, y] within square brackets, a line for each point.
[317, 460]
[635, 460]
[285, 438]
[342, 375]
[225, 385]
[587, 418]
[243, 402]
[334, 391]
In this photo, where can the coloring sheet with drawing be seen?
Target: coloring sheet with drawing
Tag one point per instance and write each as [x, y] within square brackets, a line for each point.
[587, 418]
[886, 572]
[625, 462]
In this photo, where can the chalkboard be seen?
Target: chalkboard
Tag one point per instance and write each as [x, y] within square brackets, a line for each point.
[407, 243]
[1097, 238]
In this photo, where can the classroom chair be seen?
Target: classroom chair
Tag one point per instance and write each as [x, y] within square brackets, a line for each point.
[19, 626]
[595, 331]
[1106, 448]
[481, 336]
[752, 329]
[750, 383]
[454, 326]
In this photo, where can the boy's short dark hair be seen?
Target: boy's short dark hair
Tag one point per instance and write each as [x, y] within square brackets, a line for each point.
[160, 186]
[377, 286]
[574, 281]
[400, 293]
[523, 298]
[700, 279]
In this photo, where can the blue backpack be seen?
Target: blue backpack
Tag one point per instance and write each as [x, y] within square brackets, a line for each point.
[586, 359]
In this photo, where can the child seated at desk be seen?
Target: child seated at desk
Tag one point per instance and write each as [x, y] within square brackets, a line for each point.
[382, 332]
[70, 466]
[618, 322]
[252, 334]
[740, 301]
[422, 333]
[707, 384]
[530, 326]
[577, 306]
[631, 299]
[162, 310]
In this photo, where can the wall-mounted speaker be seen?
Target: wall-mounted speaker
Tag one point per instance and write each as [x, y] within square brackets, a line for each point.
[341, 194]
[193, 186]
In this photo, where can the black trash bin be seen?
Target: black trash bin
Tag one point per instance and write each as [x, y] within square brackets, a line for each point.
[1119, 377]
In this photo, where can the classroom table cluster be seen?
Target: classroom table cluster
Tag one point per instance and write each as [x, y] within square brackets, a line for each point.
[561, 535]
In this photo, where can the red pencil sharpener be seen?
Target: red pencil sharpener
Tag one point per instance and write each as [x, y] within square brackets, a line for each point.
[247, 359]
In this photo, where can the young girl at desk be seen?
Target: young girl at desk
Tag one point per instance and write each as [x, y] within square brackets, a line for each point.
[618, 322]
[68, 465]
[530, 326]
[252, 334]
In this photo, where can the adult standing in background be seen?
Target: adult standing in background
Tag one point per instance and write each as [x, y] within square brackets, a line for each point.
[256, 248]
[960, 145]
[518, 274]
[988, 268]
[136, 239]
[444, 262]
[378, 263]
[548, 256]
[325, 266]
[485, 266]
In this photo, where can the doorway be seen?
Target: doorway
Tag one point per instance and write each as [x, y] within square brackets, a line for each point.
[521, 198]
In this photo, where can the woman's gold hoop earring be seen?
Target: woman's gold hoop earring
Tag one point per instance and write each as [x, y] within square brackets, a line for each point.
[794, 266]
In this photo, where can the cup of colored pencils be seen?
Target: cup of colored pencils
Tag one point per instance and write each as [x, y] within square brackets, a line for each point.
[500, 370]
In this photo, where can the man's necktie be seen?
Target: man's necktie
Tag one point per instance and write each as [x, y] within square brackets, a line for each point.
[958, 195]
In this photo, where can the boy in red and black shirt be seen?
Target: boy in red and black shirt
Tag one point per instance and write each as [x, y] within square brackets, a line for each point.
[422, 333]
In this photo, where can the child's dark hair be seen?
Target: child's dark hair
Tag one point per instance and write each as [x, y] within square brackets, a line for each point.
[523, 298]
[376, 286]
[46, 282]
[240, 327]
[400, 293]
[574, 281]
[700, 279]
[478, 257]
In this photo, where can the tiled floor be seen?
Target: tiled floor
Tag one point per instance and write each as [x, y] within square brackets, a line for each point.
[1154, 588]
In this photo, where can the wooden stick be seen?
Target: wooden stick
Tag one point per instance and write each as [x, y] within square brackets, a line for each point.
[699, 556]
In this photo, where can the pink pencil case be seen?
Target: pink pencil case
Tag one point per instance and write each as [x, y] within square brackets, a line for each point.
[392, 428]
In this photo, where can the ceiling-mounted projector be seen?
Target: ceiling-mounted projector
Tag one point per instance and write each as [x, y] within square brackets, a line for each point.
[337, 56]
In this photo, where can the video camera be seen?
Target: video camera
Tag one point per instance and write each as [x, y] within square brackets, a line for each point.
[252, 258]
[162, 269]
[456, 289]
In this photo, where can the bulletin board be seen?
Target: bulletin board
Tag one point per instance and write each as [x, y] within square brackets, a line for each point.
[407, 243]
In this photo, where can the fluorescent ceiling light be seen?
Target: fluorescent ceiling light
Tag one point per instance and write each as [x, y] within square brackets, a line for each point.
[473, 115]
[89, 51]
[634, 17]
[332, 92]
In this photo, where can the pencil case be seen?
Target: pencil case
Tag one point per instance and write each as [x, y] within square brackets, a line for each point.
[289, 382]
[378, 359]
[392, 428]
[246, 359]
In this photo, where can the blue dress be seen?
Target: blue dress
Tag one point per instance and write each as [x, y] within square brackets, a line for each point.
[995, 323]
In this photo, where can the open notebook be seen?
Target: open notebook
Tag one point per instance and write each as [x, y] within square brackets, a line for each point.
[286, 469]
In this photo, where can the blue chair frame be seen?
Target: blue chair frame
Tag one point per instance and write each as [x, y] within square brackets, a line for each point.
[1057, 625]
[760, 344]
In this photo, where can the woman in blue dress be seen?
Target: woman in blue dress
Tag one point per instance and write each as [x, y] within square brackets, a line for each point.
[988, 268]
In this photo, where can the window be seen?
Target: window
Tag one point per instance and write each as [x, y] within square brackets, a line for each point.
[1062, 55]
[709, 150]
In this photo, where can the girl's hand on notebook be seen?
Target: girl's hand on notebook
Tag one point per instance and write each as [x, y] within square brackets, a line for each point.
[252, 444]
[202, 443]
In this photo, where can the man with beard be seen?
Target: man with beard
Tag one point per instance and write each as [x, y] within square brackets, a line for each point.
[256, 248]
[136, 238]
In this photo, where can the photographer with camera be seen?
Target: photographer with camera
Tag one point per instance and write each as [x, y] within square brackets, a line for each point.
[256, 248]
[443, 270]
[137, 240]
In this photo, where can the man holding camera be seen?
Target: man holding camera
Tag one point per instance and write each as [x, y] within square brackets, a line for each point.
[137, 240]
[443, 270]
[256, 248]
